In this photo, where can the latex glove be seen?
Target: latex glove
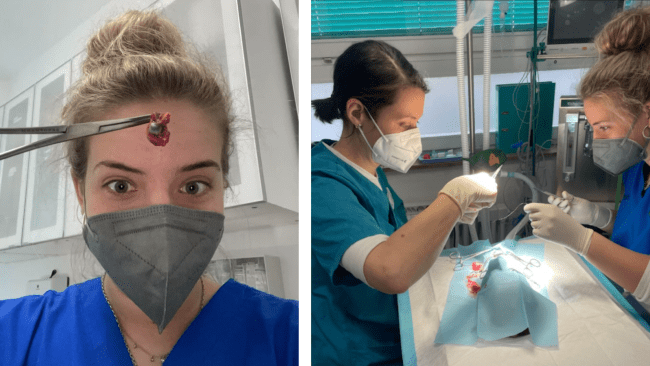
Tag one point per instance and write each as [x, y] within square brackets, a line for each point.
[584, 211]
[471, 193]
[551, 223]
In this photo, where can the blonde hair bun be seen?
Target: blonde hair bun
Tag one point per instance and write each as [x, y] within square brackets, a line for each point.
[133, 33]
[627, 31]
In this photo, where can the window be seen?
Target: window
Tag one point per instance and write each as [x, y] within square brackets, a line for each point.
[441, 113]
[375, 18]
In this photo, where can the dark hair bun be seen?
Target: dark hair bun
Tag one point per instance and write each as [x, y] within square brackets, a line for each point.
[326, 109]
[133, 33]
[627, 31]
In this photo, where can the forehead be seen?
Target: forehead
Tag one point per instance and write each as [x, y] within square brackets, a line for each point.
[193, 137]
[602, 110]
[409, 102]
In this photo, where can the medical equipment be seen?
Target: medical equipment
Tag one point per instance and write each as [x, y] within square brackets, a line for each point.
[496, 174]
[514, 113]
[585, 312]
[463, 29]
[575, 169]
[546, 192]
[460, 260]
[69, 132]
[494, 252]
[573, 24]
[502, 300]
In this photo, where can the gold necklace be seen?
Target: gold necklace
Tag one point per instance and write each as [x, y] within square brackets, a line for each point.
[135, 345]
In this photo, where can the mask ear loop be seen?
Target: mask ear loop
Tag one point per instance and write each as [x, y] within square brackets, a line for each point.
[643, 154]
[364, 135]
[375, 123]
[84, 211]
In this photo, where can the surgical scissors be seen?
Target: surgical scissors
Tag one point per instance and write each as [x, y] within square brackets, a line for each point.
[69, 132]
[532, 262]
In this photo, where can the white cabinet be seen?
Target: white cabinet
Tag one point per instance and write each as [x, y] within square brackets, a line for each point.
[45, 204]
[13, 171]
[73, 216]
[262, 273]
[264, 163]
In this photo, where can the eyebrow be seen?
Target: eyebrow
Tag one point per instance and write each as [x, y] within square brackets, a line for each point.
[187, 168]
[120, 166]
[201, 165]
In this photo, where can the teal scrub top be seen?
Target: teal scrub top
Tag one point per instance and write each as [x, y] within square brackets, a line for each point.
[632, 225]
[352, 324]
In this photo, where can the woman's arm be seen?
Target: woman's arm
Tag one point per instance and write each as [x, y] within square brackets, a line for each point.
[397, 263]
[622, 265]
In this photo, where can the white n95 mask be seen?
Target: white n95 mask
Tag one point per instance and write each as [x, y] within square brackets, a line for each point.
[156, 254]
[397, 151]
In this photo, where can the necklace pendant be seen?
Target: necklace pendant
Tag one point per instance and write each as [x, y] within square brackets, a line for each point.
[153, 359]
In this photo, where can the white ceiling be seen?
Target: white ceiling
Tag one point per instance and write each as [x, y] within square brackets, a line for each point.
[30, 27]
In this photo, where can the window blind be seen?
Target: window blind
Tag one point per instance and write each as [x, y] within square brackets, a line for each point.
[381, 18]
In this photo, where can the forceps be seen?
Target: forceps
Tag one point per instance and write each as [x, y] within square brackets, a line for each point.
[460, 260]
[533, 262]
[69, 132]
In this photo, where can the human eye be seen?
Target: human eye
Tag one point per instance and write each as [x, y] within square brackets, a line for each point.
[195, 187]
[120, 186]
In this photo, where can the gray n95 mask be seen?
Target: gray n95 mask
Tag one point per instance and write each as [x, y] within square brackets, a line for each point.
[617, 155]
[156, 254]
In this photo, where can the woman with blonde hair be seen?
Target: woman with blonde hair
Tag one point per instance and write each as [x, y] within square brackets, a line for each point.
[616, 94]
[153, 207]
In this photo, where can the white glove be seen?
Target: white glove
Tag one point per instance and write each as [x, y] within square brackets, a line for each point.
[584, 211]
[551, 223]
[471, 193]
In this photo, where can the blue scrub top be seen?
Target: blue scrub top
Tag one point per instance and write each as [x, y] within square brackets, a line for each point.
[632, 225]
[352, 324]
[238, 326]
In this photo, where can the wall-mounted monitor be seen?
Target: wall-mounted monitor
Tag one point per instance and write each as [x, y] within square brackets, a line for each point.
[573, 24]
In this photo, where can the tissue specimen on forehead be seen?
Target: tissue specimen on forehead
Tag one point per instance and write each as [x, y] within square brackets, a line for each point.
[157, 131]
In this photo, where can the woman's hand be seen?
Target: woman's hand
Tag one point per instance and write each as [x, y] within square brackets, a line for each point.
[551, 223]
[584, 211]
[471, 193]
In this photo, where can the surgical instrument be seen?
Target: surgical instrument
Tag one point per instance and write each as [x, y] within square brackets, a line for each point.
[69, 132]
[496, 252]
[552, 194]
[496, 173]
[460, 260]
[543, 191]
[533, 262]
